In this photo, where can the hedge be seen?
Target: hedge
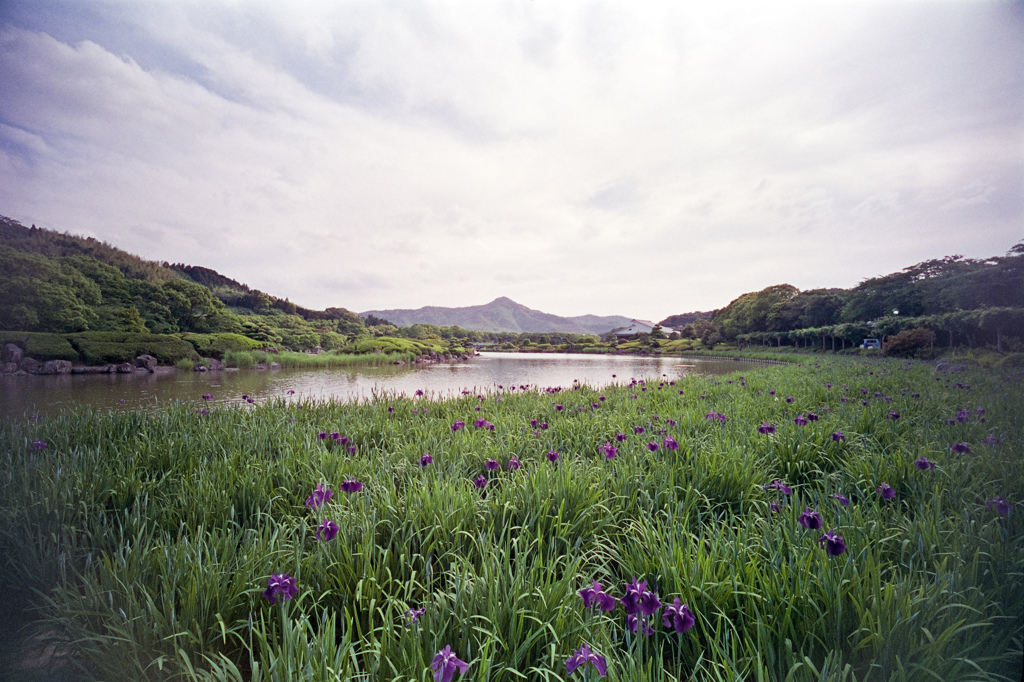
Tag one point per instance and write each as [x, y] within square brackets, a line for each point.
[215, 345]
[41, 346]
[97, 348]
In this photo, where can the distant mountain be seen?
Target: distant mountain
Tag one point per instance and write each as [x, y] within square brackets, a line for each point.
[500, 315]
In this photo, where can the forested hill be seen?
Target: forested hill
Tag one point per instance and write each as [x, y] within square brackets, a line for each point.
[501, 314]
[54, 282]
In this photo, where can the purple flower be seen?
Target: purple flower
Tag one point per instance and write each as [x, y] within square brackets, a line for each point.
[322, 435]
[204, 412]
[843, 500]
[492, 464]
[280, 585]
[962, 416]
[634, 619]
[444, 665]
[886, 491]
[838, 436]
[426, 459]
[832, 543]
[543, 426]
[321, 495]
[766, 428]
[390, 409]
[290, 392]
[774, 506]
[670, 443]
[514, 463]
[924, 463]
[458, 425]
[790, 398]
[419, 392]
[639, 598]
[608, 450]
[992, 439]
[533, 423]
[327, 530]
[480, 423]
[715, 416]
[810, 519]
[552, 456]
[596, 596]
[38, 444]
[652, 446]
[207, 396]
[1001, 506]
[960, 448]
[480, 481]
[351, 485]
[559, 408]
[583, 656]
[619, 437]
[414, 614]
[812, 417]
[780, 486]
[894, 415]
[800, 421]
[678, 616]
[638, 430]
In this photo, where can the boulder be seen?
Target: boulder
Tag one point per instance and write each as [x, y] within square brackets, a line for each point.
[215, 364]
[125, 368]
[55, 367]
[89, 369]
[30, 365]
[11, 353]
[10, 367]
[146, 362]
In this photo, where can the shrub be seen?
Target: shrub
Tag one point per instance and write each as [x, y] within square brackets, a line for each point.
[216, 345]
[97, 348]
[41, 346]
[909, 342]
[185, 365]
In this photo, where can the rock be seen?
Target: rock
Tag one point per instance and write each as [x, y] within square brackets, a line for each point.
[125, 368]
[276, 365]
[215, 364]
[199, 368]
[89, 369]
[55, 367]
[11, 353]
[30, 365]
[146, 362]
[10, 367]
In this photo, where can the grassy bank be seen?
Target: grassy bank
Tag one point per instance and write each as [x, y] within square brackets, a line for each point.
[153, 535]
[319, 361]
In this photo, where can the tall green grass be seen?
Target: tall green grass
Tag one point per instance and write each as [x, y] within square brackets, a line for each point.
[150, 537]
[244, 359]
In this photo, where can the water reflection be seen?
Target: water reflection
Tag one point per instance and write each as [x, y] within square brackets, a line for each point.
[21, 396]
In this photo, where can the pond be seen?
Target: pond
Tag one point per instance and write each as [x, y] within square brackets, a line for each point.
[22, 396]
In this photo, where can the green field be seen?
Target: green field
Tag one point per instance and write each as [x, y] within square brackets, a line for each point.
[149, 538]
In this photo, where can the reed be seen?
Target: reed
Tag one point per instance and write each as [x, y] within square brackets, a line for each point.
[151, 536]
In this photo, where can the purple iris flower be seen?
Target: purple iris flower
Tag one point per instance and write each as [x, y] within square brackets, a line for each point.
[924, 463]
[800, 421]
[596, 596]
[419, 392]
[962, 416]
[843, 499]
[774, 506]
[559, 408]
[1001, 506]
[780, 486]
[543, 426]
[280, 585]
[480, 423]
[426, 459]
[327, 530]
[832, 543]
[584, 655]
[670, 443]
[961, 448]
[39, 444]
[321, 495]
[492, 464]
[445, 663]
[207, 396]
[766, 428]
[790, 398]
[322, 435]
[552, 456]
[619, 437]
[458, 425]
[992, 439]
[204, 412]
[678, 616]
[810, 519]
[812, 417]
[838, 436]
[894, 415]
[634, 620]
[514, 463]
[351, 485]
[414, 614]
[886, 491]
[390, 409]
[533, 423]
[608, 450]
[652, 446]
[639, 598]
[480, 481]
[638, 430]
[715, 416]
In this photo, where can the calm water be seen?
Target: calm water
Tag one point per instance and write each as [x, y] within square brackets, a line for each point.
[25, 395]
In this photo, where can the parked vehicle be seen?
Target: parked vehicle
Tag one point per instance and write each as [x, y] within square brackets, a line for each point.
[871, 343]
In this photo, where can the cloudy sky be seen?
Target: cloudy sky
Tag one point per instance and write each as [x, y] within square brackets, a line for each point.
[634, 158]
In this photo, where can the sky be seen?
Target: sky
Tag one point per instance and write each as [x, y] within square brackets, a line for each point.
[630, 158]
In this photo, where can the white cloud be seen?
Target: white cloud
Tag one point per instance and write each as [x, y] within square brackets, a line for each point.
[578, 157]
